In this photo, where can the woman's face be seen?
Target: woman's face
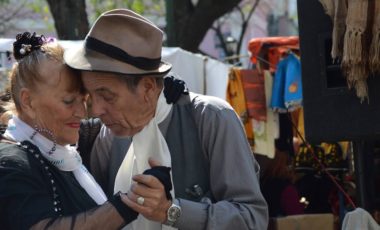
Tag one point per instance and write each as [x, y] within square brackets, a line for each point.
[58, 103]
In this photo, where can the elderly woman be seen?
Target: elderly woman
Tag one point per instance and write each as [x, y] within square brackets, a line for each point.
[43, 183]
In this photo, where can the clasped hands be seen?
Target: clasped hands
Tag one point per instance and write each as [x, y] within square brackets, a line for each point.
[150, 194]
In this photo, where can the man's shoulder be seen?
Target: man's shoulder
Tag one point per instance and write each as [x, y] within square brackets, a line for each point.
[208, 103]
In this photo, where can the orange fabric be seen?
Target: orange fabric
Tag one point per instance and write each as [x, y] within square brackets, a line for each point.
[236, 98]
[254, 91]
[255, 45]
[276, 53]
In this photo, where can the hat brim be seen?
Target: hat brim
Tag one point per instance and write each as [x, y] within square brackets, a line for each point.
[81, 58]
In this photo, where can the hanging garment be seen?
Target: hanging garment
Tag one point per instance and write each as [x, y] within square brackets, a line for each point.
[277, 53]
[337, 10]
[329, 7]
[293, 83]
[188, 66]
[266, 131]
[357, 20]
[254, 91]
[298, 120]
[236, 98]
[355, 50]
[277, 100]
[216, 78]
[257, 45]
[374, 51]
[287, 86]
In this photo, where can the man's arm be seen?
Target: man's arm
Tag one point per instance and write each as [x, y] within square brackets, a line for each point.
[234, 181]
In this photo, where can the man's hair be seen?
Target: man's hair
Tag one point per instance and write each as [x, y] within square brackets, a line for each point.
[133, 81]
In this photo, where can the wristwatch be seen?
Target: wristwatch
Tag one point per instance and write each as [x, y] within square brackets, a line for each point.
[173, 213]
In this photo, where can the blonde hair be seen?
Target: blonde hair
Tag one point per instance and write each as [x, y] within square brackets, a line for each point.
[26, 73]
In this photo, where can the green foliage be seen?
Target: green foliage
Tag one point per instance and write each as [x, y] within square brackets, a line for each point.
[138, 6]
[154, 7]
[36, 6]
[41, 7]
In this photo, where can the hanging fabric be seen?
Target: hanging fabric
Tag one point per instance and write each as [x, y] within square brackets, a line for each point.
[258, 47]
[374, 52]
[287, 86]
[236, 98]
[266, 131]
[293, 83]
[359, 21]
[254, 91]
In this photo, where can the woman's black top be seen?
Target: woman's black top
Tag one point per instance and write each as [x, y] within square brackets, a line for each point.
[32, 189]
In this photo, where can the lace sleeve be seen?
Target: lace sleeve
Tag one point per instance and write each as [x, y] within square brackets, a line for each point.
[102, 217]
[111, 215]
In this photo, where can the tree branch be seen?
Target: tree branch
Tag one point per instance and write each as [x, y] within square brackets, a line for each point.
[245, 25]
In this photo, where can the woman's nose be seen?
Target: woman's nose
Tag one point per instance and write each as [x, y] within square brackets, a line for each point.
[81, 110]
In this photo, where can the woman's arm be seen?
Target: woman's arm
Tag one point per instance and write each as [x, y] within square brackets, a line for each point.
[103, 217]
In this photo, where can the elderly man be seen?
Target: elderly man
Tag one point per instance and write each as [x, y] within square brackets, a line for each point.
[214, 174]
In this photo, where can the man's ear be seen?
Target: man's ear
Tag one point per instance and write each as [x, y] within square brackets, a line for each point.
[149, 83]
[26, 103]
[149, 87]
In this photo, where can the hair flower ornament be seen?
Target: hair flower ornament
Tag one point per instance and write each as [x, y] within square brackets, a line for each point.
[25, 48]
[26, 43]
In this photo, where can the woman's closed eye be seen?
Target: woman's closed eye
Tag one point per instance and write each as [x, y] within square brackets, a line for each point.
[69, 101]
[72, 99]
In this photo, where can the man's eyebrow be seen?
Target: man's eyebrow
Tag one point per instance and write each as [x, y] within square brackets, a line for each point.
[102, 89]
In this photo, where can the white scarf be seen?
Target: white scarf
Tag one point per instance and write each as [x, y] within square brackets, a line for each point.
[65, 158]
[149, 142]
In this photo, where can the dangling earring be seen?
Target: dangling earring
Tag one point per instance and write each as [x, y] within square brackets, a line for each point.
[50, 133]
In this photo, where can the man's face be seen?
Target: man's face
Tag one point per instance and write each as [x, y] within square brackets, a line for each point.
[121, 109]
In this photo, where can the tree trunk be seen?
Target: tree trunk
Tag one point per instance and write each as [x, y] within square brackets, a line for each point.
[70, 18]
[191, 23]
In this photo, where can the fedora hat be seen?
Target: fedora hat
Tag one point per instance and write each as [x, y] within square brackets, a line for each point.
[120, 41]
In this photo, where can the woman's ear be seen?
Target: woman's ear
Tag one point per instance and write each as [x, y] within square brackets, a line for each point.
[26, 103]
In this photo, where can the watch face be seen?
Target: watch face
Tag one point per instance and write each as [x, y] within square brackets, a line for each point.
[174, 213]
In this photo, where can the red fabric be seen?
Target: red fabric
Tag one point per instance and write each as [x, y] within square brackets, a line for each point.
[254, 92]
[255, 45]
[275, 54]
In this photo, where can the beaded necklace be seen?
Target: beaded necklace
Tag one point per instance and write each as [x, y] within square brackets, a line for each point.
[35, 152]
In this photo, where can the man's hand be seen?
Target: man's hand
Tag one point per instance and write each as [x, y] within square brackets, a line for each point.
[155, 204]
